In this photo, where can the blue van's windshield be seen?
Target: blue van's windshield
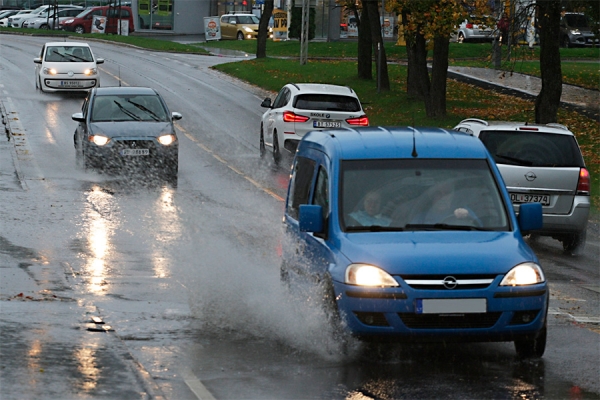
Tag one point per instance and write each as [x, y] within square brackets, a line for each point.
[421, 194]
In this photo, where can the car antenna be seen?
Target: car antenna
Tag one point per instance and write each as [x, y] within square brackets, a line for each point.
[414, 150]
[119, 76]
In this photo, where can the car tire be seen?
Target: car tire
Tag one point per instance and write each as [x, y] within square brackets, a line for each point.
[79, 29]
[566, 43]
[276, 151]
[261, 145]
[332, 313]
[460, 38]
[240, 36]
[575, 243]
[532, 348]
[44, 26]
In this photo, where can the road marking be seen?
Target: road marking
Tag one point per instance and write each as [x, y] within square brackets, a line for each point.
[224, 162]
[196, 386]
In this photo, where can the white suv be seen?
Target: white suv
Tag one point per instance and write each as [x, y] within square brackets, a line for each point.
[541, 163]
[303, 107]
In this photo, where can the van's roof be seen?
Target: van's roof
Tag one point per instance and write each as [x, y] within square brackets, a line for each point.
[394, 142]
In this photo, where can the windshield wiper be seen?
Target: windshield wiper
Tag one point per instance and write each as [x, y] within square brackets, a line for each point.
[143, 108]
[126, 111]
[374, 228]
[443, 227]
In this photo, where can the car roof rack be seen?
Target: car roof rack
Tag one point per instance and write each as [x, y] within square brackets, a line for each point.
[479, 121]
[559, 126]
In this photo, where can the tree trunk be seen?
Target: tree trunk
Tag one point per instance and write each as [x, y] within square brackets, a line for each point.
[436, 107]
[383, 78]
[417, 79]
[263, 30]
[365, 47]
[548, 100]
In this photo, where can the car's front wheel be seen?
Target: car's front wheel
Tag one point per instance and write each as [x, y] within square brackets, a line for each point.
[532, 348]
[461, 37]
[261, 145]
[240, 36]
[79, 29]
[566, 43]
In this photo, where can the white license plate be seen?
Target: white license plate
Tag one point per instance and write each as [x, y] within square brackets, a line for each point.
[135, 152]
[451, 306]
[327, 124]
[530, 198]
[71, 84]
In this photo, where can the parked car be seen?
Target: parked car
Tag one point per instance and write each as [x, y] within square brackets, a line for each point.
[82, 23]
[302, 107]
[240, 26]
[474, 29]
[17, 21]
[446, 261]
[127, 128]
[576, 31]
[66, 66]
[541, 163]
[52, 21]
[9, 13]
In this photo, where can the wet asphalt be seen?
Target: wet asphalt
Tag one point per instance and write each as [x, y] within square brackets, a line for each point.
[80, 354]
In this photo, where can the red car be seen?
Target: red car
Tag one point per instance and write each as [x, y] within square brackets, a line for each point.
[84, 22]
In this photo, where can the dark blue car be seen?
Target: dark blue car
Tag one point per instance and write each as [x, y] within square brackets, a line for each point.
[411, 235]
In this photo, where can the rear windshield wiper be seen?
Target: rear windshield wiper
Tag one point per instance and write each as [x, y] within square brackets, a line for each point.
[513, 159]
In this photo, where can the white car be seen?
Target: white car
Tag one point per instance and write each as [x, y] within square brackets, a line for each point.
[4, 18]
[48, 21]
[303, 107]
[16, 21]
[543, 164]
[66, 66]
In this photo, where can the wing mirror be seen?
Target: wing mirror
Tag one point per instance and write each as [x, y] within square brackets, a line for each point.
[266, 103]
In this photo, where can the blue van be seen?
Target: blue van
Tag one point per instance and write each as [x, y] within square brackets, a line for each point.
[411, 235]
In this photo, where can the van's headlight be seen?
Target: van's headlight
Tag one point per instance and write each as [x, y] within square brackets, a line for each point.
[90, 71]
[166, 140]
[524, 274]
[99, 140]
[368, 275]
[49, 71]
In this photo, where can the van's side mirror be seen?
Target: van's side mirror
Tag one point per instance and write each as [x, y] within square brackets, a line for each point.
[37, 60]
[266, 103]
[100, 61]
[311, 218]
[530, 216]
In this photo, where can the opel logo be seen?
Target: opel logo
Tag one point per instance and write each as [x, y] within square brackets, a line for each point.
[450, 282]
[530, 176]
[70, 73]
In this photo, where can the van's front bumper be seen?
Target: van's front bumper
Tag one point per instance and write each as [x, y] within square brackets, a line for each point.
[510, 313]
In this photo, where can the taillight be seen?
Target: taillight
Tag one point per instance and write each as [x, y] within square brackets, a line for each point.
[583, 185]
[469, 25]
[360, 121]
[289, 116]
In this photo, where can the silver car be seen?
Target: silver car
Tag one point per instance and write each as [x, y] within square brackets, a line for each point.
[474, 29]
[541, 163]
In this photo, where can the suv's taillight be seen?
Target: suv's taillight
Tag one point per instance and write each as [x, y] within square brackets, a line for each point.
[583, 185]
[289, 116]
[360, 121]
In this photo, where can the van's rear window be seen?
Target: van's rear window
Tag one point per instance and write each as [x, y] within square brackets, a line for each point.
[535, 149]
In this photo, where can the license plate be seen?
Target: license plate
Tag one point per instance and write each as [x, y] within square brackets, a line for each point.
[327, 124]
[451, 306]
[71, 84]
[135, 152]
[530, 198]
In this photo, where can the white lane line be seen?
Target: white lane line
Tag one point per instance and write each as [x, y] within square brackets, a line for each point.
[196, 386]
